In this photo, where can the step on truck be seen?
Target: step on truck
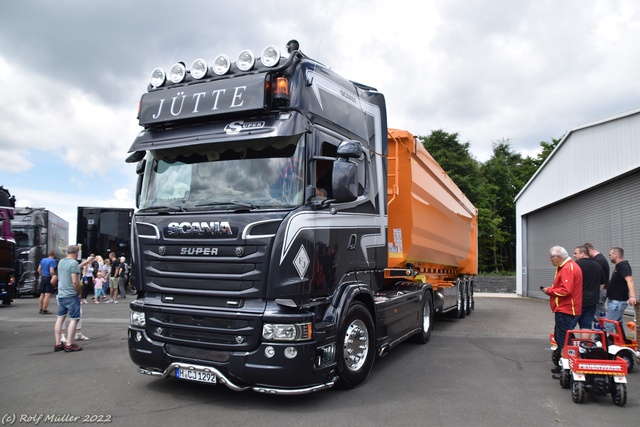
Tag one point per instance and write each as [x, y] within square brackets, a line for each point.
[284, 236]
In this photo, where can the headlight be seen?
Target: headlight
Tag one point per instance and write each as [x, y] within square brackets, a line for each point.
[287, 332]
[138, 319]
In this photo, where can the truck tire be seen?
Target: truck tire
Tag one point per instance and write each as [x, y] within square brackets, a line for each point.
[462, 300]
[426, 315]
[469, 296]
[356, 347]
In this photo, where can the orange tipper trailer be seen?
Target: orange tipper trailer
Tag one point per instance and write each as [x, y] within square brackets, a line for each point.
[433, 227]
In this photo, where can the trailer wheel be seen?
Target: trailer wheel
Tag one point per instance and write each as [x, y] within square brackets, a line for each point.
[355, 347]
[577, 391]
[468, 297]
[619, 393]
[462, 300]
[423, 336]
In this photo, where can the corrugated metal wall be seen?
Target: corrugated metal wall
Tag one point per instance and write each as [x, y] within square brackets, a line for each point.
[606, 216]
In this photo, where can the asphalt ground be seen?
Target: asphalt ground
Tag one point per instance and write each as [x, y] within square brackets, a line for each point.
[490, 369]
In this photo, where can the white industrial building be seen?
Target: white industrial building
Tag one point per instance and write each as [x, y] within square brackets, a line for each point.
[587, 190]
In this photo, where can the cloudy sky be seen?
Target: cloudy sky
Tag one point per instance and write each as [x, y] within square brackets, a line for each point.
[72, 72]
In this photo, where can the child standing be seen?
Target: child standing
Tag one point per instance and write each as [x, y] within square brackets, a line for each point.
[97, 287]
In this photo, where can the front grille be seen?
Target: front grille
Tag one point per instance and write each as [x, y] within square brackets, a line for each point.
[203, 301]
[215, 331]
[198, 353]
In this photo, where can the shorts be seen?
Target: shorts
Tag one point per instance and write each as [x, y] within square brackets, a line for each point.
[113, 282]
[70, 305]
[45, 285]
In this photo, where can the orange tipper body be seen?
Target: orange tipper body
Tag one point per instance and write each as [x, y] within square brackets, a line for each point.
[432, 224]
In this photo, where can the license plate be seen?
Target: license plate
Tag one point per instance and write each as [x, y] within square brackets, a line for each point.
[196, 375]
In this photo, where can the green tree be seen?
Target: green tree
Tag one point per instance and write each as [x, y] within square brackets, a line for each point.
[456, 160]
[492, 187]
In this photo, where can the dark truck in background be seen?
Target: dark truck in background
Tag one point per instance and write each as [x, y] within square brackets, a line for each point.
[37, 231]
[102, 230]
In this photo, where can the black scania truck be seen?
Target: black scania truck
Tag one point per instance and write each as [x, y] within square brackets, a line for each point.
[259, 247]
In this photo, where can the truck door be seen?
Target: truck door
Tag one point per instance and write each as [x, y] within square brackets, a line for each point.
[339, 246]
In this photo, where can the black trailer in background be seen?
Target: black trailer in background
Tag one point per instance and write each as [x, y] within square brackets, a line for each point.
[104, 230]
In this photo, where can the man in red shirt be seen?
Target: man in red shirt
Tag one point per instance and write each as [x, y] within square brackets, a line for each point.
[565, 295]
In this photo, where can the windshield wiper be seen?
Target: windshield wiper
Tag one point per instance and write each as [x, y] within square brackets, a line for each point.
[163, 209]
[232, 202]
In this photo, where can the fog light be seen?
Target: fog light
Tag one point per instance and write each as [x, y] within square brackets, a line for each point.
[290, 352]
[199, 68]
[178, 72]
[270, 56]
[221, 65]
[269, 352]
[245, 60]
[158, 77]
[138, 336]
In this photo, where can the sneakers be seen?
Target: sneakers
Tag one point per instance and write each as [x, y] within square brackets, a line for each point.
[82, 337]
[58, 347]
[45, 312]
[72, 347]
[115, 302]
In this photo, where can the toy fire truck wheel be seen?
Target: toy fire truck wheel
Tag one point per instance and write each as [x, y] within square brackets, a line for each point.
[577, 391]
[629, 358]
[355, 347]
[423, 336]
[555, 357]
[619, 393]
[565, 379]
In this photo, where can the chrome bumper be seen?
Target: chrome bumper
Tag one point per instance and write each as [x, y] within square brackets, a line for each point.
[224, 380]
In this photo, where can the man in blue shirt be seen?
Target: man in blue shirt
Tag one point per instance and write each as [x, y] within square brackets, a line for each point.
[46, 270]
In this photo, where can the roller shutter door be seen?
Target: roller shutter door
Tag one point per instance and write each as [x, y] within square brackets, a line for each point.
[608, 215]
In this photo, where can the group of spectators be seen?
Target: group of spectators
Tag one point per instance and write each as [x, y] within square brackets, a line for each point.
[583, 285]
[73, 280]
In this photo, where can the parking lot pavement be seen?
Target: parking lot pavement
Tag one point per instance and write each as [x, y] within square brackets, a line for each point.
[489, 369]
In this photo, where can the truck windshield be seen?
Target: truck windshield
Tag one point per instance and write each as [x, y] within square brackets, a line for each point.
[264, 173]
[25, 236]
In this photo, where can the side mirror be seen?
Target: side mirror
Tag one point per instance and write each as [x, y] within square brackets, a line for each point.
[139, 171]
[350, 149]
[344, 181]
